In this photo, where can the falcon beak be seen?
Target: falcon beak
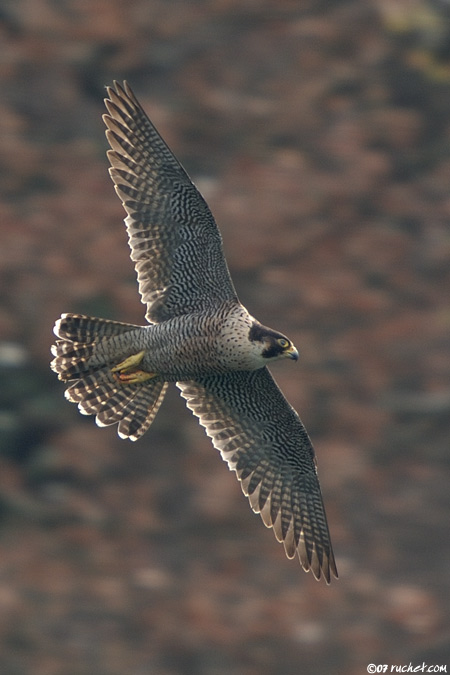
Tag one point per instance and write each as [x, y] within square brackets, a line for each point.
[291, 353]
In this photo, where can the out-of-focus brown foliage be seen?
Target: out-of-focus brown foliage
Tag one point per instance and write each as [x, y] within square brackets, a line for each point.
[319, 134]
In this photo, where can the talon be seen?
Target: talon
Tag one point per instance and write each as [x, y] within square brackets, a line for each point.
[127, 372]
[131, 362]
[134, 377]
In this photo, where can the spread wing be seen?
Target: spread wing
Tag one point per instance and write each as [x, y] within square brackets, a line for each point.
[262, 438]
[175, 243]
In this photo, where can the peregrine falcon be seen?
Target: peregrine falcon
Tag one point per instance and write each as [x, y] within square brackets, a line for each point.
[198, 336]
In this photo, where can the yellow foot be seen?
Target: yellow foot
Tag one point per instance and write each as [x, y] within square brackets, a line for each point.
[134, 377]
[131, 362]
[127, 371]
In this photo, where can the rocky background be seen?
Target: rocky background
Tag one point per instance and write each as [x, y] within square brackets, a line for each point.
[319, 133]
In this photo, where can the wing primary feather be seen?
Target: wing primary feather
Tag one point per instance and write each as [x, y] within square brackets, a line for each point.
[179, 234]
[275, 464]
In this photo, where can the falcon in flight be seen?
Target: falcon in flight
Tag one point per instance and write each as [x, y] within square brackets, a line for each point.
[198, 336]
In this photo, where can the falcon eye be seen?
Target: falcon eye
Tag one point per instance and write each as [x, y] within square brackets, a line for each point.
[283, 343]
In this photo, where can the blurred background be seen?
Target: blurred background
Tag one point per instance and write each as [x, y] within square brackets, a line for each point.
[319, 133]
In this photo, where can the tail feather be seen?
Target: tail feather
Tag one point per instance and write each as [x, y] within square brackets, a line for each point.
[82, 356]
[141, 410]
[80, 336]
[94, 391]
[71, 359]
[87, 329]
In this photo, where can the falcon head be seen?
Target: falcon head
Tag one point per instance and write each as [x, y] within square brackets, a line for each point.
[273, 345]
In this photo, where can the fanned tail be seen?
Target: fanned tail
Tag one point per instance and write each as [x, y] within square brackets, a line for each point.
[85, 353]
